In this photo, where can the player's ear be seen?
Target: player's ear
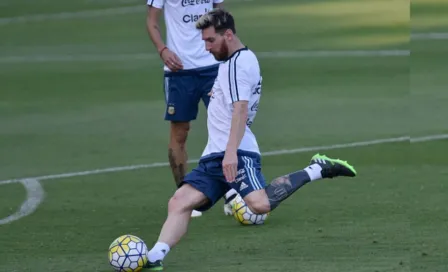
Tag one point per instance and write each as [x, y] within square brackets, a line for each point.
[228, 34]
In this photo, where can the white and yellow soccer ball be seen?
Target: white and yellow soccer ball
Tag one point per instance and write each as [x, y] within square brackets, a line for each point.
[244, 215]
[127, 253]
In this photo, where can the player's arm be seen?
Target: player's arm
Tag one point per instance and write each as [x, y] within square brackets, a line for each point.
[240, 90]
[152, 24]
[238, 127]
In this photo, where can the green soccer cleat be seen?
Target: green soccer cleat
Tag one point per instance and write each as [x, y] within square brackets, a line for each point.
[156, 266]
[332, 168]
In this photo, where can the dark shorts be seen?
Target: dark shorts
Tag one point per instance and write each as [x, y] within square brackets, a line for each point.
[208, 177]
[184, 89]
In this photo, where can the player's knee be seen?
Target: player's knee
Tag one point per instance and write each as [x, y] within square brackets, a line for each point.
[179, 132]
[258, 206]
[180, 202]
[177, 204]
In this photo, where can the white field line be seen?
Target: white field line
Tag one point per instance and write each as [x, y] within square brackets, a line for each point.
[35, 195]
[430, 36]
[429, 138]
[94, 13]
[83, 14]
[334, 53]
[149, 56]
[265, 154]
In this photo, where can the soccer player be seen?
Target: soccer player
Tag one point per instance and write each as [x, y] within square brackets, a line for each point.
[231, 158]
[190, 72]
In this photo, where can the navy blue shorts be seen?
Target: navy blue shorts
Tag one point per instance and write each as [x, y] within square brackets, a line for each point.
[208, 177]
[184, 89]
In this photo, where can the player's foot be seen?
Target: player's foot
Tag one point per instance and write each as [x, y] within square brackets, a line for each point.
[228, 208]
[195, 213]
[156, 266]
[333, 167]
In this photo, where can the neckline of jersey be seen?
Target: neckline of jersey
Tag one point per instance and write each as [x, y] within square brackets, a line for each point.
[239, 50]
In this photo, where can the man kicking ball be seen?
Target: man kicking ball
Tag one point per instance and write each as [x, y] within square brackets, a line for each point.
[232, 156]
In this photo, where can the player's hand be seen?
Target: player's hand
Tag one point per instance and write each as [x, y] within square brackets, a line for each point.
[230, 166]
[171, 60]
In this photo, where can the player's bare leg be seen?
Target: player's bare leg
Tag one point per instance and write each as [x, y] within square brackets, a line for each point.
[177, 153]
[264, 201]
[258, 202]
[180, 206]
[175, 227]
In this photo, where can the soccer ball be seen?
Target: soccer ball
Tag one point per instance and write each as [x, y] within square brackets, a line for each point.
[127, 253]
[244, 215]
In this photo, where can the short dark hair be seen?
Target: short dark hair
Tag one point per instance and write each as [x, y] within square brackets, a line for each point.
[220, 19]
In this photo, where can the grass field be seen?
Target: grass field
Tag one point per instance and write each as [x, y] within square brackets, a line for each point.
[80, 89]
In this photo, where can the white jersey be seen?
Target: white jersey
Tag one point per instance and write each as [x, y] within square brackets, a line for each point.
[182, 36]
[239, 79]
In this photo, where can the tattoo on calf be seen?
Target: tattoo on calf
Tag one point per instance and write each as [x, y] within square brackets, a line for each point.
[279, 190]
[283, 187]
[178, 169]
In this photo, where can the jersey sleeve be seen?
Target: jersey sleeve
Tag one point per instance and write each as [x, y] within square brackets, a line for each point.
[241, 80]
[218, 1]
[156, 3]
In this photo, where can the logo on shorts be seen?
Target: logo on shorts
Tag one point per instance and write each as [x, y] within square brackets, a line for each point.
[243, 186]
[240, 175]
[171, 110]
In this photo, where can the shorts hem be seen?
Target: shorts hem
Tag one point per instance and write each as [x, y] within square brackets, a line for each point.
[179, 119]
[204, 207]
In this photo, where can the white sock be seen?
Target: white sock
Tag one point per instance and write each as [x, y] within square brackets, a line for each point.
[314, 171]
[230, 193]
[158, 252]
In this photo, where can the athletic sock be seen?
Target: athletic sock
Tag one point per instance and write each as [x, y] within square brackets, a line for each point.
[158, 252]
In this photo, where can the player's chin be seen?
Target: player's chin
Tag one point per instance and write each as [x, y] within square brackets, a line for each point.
[219, 57]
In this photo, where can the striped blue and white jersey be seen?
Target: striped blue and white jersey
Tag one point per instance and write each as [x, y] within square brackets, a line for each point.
[239, 79]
